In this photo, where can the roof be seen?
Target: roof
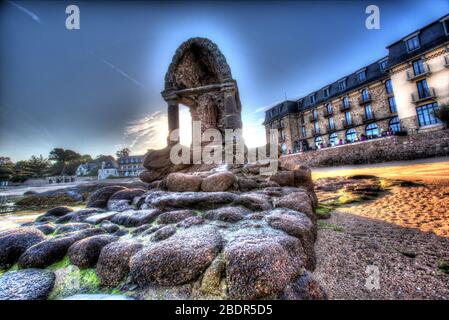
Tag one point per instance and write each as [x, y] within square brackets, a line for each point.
[280, 110]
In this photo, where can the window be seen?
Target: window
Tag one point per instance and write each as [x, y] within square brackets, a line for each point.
[383, 64]
[423, 88]
[346, 102]
[282, 135]
[368, 112]
[389, 86]
[326, 92]
[333, 139]
[446, 25]
[372, 130]
[392, 103]
[342, 85]
[331, 123]
[365, 95]
[314, 114]
[361, 76]
[318, 142]
[418, 67]
[282, 123]
[395, 125]
[351, 135]
[348, 118]
[303, 131]
[316, 127]
[284, 148]
[412, 43]
[313, 98]
[426, 114]
[329, 108]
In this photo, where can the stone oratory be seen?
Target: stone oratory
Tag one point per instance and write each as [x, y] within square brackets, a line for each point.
[199, 78]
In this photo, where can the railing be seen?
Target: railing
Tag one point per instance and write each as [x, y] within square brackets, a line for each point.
[330, 128]
[328, 114]
[344, 108]
[312, 118]
[363, 99]
[368, 118]
[347, 124]
[411, 75]
[425, 95]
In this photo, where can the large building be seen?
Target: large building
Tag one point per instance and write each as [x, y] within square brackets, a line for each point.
[131, 166]
[395, 95]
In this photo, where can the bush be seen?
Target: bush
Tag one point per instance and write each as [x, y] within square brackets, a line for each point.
[442, 113]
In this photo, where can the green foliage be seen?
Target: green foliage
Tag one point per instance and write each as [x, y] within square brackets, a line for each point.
[64, 263]
[123, 153]
[442, 113]
[323, 212]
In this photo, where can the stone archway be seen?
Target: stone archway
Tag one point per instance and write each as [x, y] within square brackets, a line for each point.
[200, 78]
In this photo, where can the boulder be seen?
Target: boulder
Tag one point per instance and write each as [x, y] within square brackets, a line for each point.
[29, 284]
[112, 265]
[100, 217]
[220, 181]
[299, 201]
[85, 253]
[298, 225]
[305, 287]
[15, 242]
[135, 218]
[246, 184]
[260, 265]
[175, 216]
[192, 221]
[150, 176]
[71, 227]
[181, 182]
[163, 233]
[210, 283]
[46, 228]
[78, 215]
[284, 178]
[227, 214]
[180, 259]
[109, 226]
[194, 200]
[256, 201]
[302, 176]
[99, 198]
[54, 213]
[47, 252]
[123, 200]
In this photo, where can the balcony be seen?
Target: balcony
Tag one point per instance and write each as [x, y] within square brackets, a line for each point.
[346, 124]
[330, 128]
[344, 108]
[411, 75]
[328, 114]
[368, 119]
[363, 100]
[428, 94]
[312, 118]
[316, 133]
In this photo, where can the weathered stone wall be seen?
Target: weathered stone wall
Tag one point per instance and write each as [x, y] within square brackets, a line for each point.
[394, 148]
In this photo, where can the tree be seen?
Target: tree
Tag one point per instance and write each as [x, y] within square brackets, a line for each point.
[5, 161]
[102, 158]
[442, 113]
[123, 153]
[64, 156]
[38, 166]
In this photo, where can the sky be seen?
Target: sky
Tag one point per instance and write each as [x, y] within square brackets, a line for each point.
[97, 89]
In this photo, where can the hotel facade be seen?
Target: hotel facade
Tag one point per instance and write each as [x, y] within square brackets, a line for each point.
[395, 95]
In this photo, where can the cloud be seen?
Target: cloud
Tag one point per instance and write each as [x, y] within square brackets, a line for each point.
[149, 132]
[32, 15]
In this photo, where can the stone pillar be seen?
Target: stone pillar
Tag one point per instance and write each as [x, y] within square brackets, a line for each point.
[173, 117]
[232, 114]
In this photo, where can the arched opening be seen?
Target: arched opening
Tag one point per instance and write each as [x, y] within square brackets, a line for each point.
[185, 125]
[372, 131]
[318, 142]
[351, 135]
[395, 125]
[333, 139]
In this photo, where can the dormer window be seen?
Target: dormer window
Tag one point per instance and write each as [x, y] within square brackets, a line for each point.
[412, 43]
[326, 92]
[361, 75]
[313, 98]
[445, 22]
[342, 85]
[383, 64]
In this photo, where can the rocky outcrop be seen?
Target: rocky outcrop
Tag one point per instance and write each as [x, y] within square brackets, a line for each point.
[99, 198]
[135, 218]
[15, 242]
[85, 253]
[29, 284]
[220, 181]
[181, 182]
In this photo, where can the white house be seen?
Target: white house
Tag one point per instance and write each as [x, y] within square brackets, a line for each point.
[108, 169]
